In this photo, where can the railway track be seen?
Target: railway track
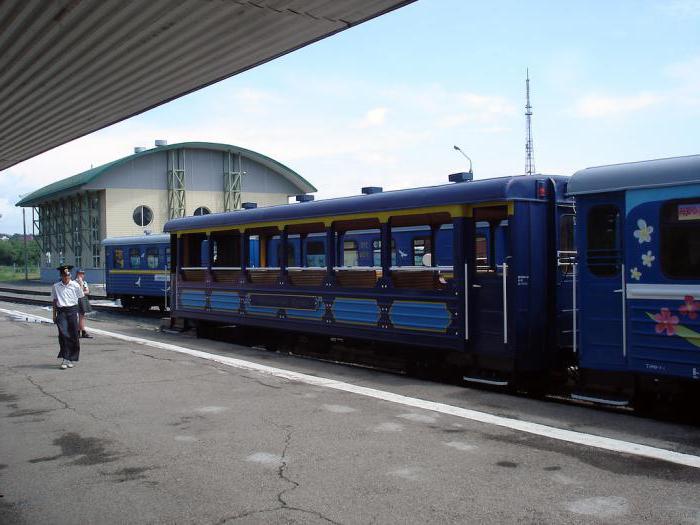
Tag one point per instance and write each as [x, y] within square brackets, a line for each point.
[35, 299]
[41, 293]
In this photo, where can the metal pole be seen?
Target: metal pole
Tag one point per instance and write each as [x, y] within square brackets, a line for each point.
[26, 261]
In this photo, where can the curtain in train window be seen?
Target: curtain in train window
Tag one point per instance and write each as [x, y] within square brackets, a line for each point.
[134, 258]
[118, 258]
[603, 251]
[152, 258]
[315, 254]
[680, 240]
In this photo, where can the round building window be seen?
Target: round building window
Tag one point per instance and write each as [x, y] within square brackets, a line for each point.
[143, 215]
[202, 210]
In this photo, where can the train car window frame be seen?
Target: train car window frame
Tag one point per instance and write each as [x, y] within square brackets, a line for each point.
[152, 258]
[481, 252]
[352, 248]
[426, 248]
[674, 253]
[608, 261]
[377, 252]
[316, 250]
[118, 258]
[134, 255]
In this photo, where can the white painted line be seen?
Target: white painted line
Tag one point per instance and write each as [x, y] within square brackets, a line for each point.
[569, 436]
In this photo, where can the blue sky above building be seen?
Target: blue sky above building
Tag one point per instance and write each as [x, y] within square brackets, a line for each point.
[383, 103]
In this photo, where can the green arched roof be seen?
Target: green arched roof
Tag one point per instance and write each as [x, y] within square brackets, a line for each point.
[85, 177]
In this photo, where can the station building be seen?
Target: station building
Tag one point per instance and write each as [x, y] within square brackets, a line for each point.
[138, 194]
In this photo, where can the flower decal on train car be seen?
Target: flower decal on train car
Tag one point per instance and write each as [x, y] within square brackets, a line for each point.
[635, 273]
[670, 324]
[648, 258]
[665, 322]
[643, 234]
[690, 307]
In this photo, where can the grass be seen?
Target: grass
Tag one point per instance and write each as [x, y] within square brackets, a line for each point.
[8, 273]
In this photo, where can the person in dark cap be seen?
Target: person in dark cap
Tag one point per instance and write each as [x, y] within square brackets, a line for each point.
[65, 295]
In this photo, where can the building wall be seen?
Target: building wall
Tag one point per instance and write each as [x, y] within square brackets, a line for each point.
[204, 171]
[143, 182]
[120, 204]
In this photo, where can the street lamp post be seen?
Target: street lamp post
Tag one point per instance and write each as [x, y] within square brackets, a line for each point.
[465, 156]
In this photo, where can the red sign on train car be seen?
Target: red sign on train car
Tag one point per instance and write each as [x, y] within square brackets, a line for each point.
[688, 212]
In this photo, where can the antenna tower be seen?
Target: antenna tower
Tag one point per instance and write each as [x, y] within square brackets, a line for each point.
[529, 150]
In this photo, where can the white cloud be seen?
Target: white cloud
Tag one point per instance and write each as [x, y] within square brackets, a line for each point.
[374, 117]
[596, 106]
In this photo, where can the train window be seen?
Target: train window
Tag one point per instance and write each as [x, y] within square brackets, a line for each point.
[482, 252]
[421, 251]
[566, 233]
[167, 257]
[291, 253]
[134, 258]
[226, 249]
[152, 258]
[315, 253]
[377, 252]
[351, 255]
[143, 215]
[680, 239]
[603, 250]
[118, 258]
[192, 250]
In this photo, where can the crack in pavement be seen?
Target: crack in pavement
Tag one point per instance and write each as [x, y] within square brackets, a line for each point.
[143, 354]
[49, 394]
[261, 382]
[133, 383]
[281, 474]
[64, 404]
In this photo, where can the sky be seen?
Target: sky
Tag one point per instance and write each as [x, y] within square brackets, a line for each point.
[383, 103]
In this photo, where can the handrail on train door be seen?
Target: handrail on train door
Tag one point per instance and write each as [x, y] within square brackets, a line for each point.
[504, 268]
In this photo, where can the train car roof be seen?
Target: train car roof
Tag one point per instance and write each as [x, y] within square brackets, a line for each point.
[137, 239]
[518, 187]
[657, 173]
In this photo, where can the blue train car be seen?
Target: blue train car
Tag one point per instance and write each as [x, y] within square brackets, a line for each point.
[137, 270]
[469, 267]
[639, 278]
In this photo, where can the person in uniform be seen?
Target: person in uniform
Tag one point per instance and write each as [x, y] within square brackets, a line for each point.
[84, 307]
[65, 295]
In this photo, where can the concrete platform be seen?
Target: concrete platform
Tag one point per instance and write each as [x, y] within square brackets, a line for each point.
[139, 434]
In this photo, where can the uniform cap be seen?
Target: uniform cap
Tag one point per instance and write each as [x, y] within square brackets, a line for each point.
[64, 269]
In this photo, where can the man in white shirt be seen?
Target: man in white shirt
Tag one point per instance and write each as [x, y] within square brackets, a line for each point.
[65, 295]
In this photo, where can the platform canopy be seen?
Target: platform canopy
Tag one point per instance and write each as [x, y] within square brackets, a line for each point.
[70, 67]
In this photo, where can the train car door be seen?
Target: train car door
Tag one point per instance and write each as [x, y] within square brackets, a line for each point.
[602, 285]
[566, 327]
[489, 289]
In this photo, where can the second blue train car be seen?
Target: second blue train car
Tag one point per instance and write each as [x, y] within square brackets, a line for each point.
[137, 270]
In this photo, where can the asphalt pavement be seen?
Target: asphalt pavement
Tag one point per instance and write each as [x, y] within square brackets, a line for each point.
[136, 434]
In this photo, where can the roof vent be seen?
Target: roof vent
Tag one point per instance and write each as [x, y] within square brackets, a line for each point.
[161, 142]
[139, 149]
[304, 198]
[249, 205]
[464, 176]
[369, 190]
